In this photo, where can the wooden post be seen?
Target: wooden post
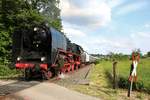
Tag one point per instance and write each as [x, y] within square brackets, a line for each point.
[114, 75]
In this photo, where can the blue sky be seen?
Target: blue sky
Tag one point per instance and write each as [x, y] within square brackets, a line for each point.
[103, 26]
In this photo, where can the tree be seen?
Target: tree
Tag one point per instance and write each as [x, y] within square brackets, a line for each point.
[28, 12]
[5, 47]
[16, 14]
[148, 54]
[49, 9]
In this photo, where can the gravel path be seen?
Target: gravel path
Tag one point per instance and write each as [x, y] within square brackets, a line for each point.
[77, 77]
[48, 91]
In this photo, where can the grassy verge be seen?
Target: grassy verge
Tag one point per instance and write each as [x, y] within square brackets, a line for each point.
[6, 72]
[99, 85]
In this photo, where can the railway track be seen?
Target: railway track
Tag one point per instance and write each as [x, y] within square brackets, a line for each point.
[77, 77]
[8, 87]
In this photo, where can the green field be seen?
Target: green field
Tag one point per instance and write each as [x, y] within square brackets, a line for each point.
[101, 81]
[123, 70]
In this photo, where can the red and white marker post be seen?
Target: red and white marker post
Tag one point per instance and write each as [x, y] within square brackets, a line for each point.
[133, 73]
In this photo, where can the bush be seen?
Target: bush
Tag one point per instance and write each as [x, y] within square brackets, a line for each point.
[124, 83]
[5, 48]
[97, 62]
[5, 71]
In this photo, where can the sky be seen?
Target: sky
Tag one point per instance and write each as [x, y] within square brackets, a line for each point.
[103, 26]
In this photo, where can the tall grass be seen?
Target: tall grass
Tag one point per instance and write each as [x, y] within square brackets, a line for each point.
[6, 72]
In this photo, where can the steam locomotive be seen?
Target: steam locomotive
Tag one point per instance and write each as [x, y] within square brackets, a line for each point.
[44, 51]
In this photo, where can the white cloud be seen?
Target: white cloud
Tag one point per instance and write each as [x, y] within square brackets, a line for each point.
[147, 25]
[71, 32]
[99, 44]
[94, 14]
[113, 42]
[131, 7]
[141, 40]
[115, 3]
[144, 34]
[141, 35]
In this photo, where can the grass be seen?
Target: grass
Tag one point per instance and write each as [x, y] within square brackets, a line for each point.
[6, 72]
[101, 85]
[123, 70]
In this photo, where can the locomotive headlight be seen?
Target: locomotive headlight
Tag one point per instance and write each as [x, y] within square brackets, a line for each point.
[18, 58]
[43, 58]
[35, 29]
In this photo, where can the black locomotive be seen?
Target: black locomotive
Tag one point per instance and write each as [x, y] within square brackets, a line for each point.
[45, 51]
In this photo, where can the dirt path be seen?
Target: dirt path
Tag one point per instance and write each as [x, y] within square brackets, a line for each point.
[13, 86]
[46, 91]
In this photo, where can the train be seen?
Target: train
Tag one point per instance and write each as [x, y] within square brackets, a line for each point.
[44, 51]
